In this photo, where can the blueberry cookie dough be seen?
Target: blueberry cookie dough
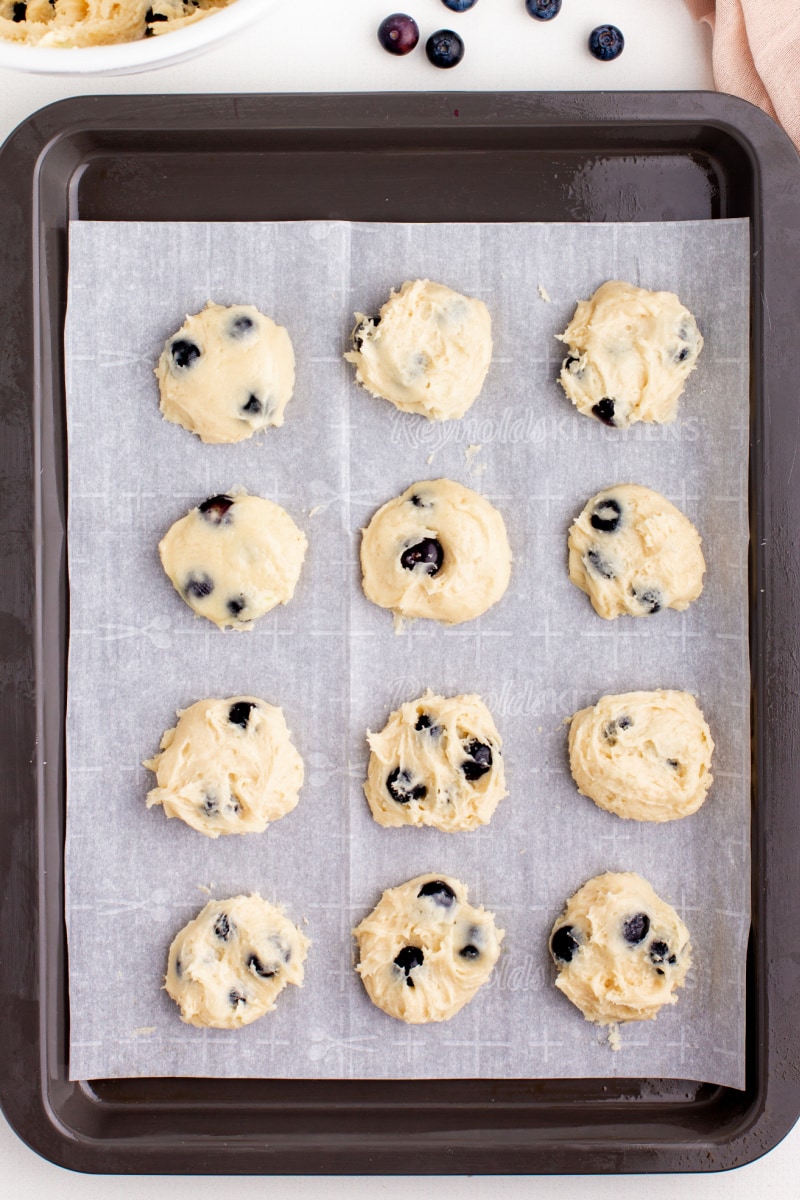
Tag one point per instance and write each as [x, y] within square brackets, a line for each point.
[427, 351]
[227, 966]
[226, 374]
[620, 950]
[228, 766]
[424, 951]
[233, 558]
[437, 762]
[70, 23]
[630, 352]
[632, 551]
[440, 550]
[642, 755]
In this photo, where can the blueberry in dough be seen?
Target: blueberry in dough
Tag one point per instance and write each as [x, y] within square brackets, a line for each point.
[624, 340]
[229, 766]
[657, 560]
[409, 958]
[228, 373]
[222, 969]
[439, 550]
[217, 509]
[233, 558]
[437, 761]
[428, 552]
[401, 787]
[424, 951]
[621, 951]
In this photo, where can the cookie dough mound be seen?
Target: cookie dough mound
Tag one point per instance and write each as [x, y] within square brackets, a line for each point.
[425, 951]
[70, 23]
[226, 967]
[643, 755]
[620, 950]
[226, 373]
[440, 550]
[437, 762]
[634, 552]
[427, 352]
[228, 766]
[630, 353]
[233, 558]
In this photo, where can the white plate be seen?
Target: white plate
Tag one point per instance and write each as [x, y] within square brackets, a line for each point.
[128, 58]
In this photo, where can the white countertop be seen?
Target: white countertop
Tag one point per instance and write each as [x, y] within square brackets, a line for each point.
[330, 46]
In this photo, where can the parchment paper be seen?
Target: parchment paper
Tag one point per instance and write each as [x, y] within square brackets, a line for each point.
[334, 664]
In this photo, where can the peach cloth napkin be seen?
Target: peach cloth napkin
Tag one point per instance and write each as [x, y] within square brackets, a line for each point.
[756, 54]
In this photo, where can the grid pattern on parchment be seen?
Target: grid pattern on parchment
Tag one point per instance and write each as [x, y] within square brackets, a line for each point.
[331, 660]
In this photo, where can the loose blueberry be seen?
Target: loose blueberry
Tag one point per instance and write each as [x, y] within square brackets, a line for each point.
[563, 945]
[543, 10]
[254, 963]
[184, 353]
[429, 552]
[439, 891]
[401, 788]
[606, 42]
[604, 411]
[239, 713]
[236, 605]
[223, 927]
[649, 599]
[240, 326]
[471, 952]
[398, 34]
[594, 559]
[459, 5]
[236, 998]
[444, 48]
[606, 515]
[199, 586]
[636, 928]
[254, 407]
[479, 761]
[409, 958]
[217, 509]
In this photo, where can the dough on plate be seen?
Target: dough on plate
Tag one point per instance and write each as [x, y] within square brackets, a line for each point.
[226, 373]
[69, 23]
[427, 352]
[634, 552]
[630, 352]
[226, 967]
[228, 766]
[643, 755]
[233, 558]
[425, 951]
[437, 762]
[439, 550]
[620, 950]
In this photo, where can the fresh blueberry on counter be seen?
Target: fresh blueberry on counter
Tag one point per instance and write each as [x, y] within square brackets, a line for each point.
[543, 10]
[460, 5]
[398, 33]
[606, 42]
[444, 48]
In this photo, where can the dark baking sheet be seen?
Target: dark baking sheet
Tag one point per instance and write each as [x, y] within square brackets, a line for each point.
[581, 157]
